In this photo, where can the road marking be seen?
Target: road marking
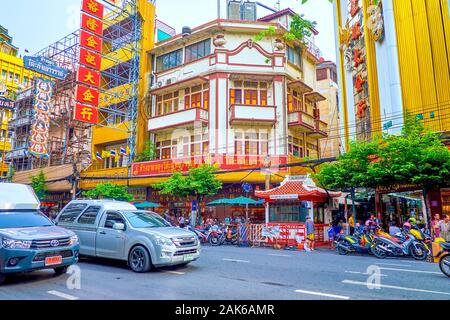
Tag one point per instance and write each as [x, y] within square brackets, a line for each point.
[394, 264]
[175, 272]
[323, 294]
[364, 273]
[410, 270]
[62, 295]
[395, 287]
[235, 260]
[279, 255]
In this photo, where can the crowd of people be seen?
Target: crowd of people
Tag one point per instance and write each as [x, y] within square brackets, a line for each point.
[183, 219]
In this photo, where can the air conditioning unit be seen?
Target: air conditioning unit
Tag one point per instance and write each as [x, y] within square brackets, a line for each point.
[171, 80]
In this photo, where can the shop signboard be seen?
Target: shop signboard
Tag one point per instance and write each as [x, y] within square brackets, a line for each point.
[223, 162]
[45, 66]
[6, 103]
[93, 8]
[86, 114]
[284, 197]
[91, 41]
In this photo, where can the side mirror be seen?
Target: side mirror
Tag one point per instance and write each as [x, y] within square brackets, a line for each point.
[119, 226]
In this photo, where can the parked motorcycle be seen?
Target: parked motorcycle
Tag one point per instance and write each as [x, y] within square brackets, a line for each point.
[402, 245]
[444, 261]
[225, 235]
[360, 242]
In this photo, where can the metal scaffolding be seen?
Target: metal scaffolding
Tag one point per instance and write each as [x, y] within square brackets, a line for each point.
[70, 140]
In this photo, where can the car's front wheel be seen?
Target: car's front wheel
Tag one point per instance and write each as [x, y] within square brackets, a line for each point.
[139, 260]
[60, 270]
[2, 278]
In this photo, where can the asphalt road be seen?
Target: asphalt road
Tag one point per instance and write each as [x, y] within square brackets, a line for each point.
[243, 273]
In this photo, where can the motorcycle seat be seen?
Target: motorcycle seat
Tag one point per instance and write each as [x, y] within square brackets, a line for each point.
[445, 245]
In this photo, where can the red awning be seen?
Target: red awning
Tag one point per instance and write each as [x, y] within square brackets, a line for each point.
[297, 190]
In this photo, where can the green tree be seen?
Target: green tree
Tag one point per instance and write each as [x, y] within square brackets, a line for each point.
[200, 182]
[109, 191]
[148, 154]
[38, 185]
[416, 157]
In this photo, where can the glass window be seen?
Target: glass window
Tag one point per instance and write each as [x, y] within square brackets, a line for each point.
[250, 93]
[113, 218]
[198, 50]
[24, 220]
[197, 97]
[89, 216]
[144, 219]
[293, 55]
[72, 212]
[251, 143]
[169, 60]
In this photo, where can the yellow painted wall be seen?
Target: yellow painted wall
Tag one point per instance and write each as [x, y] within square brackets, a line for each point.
[423, 36]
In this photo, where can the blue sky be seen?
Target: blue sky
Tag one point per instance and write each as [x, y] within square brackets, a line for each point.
[34, 24]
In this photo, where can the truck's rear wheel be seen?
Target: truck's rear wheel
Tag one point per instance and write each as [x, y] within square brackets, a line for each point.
[2, 278]
[139, 260]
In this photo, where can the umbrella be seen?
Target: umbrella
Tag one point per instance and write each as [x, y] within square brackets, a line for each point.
[143, 205]
[242, 201]
[219, 202]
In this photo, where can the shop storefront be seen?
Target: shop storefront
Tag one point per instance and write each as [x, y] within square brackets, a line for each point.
[402, 202]
[183, 206]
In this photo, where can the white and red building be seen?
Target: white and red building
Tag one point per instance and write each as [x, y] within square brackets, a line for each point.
[218, 95]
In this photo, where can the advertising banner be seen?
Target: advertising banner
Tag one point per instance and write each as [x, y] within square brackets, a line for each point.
[91, 24]
[91, 41]
[93, 8]
[86, 114]
[90, 59]
[41, 123]
[88, 77]
[87, 95]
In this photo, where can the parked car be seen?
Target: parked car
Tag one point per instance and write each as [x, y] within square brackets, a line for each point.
[117, 230]
[29, 240]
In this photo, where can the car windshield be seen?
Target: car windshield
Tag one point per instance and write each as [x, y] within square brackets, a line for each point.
[10, 220]
[141, 219]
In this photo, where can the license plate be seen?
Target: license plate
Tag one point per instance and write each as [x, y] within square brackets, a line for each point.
[188, 257]
[51, 261]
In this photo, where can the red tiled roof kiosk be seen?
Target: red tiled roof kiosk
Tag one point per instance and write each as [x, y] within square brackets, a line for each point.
[296, 198]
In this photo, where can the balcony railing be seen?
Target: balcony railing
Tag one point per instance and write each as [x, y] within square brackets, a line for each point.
[178, 118]
[313, 49]
[256, 114]
[302, 120]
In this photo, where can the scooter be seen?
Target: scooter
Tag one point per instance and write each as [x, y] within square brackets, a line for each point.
[444, 261]
[359, 243]
[403, 245]
[227, 235]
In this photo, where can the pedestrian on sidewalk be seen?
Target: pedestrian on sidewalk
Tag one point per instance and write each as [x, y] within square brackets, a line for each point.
[444, 226]
[435, 229]
[309, 235]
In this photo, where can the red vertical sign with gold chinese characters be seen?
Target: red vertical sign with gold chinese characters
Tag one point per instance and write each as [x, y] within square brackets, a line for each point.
[88, 76]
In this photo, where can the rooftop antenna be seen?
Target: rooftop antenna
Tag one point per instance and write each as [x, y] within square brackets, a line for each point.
[278, 5]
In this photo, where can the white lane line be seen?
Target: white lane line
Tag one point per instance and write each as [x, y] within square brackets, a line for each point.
[279, 255]
[410, 270]
[175, 272]
[393, 264]
[395, 287]
[364, 273]
[62, 295]
[322, 294]
[235, 260]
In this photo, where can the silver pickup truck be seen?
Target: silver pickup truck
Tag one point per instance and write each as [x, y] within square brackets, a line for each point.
[117, 230]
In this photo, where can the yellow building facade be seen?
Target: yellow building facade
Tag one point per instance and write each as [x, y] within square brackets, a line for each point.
[393, 59]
